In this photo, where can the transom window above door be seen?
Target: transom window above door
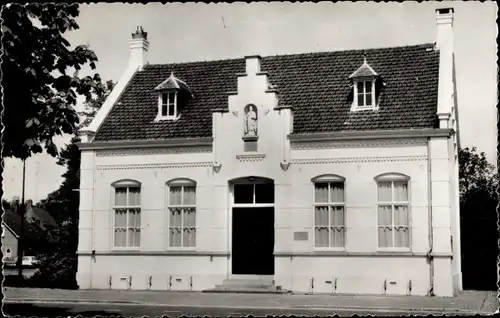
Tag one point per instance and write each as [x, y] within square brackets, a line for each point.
[256, 193]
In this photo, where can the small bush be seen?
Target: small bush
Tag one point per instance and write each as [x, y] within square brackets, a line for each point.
[56, 271]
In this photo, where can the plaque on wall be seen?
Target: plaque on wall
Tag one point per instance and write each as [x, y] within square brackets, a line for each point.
[300, 236]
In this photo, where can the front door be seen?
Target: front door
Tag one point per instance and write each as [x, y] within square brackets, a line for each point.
[253, 229]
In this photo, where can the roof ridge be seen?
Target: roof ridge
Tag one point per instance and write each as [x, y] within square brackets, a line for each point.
[421, 45]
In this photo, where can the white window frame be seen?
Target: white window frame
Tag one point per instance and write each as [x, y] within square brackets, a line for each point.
[356, 106]
[182, 182]
[126, 184]
[161, 103]
[329, 178]
[394, 177]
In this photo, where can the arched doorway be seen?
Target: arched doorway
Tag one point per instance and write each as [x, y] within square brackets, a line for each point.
[252, 226]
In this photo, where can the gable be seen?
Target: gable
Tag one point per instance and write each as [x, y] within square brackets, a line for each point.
[316, 85]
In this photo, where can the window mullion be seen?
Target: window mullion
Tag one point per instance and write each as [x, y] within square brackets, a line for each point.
[182, 216]
[364, 93]
[175, 104]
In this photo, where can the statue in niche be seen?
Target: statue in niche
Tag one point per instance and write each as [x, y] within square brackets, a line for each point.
[251, 120]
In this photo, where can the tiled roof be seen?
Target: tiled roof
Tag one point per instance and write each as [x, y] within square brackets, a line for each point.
[317, 85]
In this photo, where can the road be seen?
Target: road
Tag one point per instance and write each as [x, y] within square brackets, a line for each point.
[133, 310]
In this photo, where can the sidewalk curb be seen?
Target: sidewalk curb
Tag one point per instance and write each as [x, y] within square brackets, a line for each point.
[312, 307]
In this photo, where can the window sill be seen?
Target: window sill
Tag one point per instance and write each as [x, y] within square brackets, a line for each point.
[155, 253]
[166, 118]
[250, 138]
[345, 253]
[251, 157]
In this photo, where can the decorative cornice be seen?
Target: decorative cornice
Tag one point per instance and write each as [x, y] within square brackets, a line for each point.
[202, 164]
[155, 253]
[153, 143]
[250, 157]
[241, 74]
[280, 107]
[232, 93]
[272, 90]
[151, 151]
[220, 110]
[358, 159]
[262, 73]
[358, 143]
[375, 134]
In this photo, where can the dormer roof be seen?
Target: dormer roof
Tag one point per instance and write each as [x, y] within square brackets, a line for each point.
[365, 70]
[173, 83]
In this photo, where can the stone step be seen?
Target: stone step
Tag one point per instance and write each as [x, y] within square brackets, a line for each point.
[248, 282]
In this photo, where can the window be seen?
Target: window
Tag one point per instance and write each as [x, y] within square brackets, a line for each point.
[182, 214]
[127, 213]
[364, 94]
[329, 214]
[168, 104]
[393, 214]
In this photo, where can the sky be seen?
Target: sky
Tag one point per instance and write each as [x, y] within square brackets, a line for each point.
[197, 32]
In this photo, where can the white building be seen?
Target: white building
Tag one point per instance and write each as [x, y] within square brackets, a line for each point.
[332, 172]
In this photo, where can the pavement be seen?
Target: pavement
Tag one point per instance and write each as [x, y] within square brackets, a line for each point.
[467, 302]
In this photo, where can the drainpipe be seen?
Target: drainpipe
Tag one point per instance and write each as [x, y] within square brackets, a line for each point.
[92, 238]
[430, 258]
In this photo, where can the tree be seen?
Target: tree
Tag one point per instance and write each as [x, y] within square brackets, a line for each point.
[58, 262]
[38, 94]
[479, 236]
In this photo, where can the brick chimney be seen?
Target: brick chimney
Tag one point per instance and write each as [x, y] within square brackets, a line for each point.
[139, 46]
[444, 43]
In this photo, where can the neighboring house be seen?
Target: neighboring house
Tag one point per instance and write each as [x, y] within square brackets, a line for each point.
[331, 172]
[37, 221]
[9, 242]
[40, 216]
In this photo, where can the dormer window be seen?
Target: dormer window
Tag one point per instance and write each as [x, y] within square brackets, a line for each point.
[173, 94]
[364, 89]
[168, 102]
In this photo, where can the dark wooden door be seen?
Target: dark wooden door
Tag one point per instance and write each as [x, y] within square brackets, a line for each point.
[253, 241]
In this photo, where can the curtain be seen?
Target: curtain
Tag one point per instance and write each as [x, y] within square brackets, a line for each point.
[321, 226]
[401, 223]
[120, 217]
[337, 192]
[175, 196]
[120, 237]
[175, 217]
[321, 192]
[384, 192]
[134, 218]
[120, 196]
[134, 196]
[189, 196]
[175, 237]
[337, 237]
[337, 216]
[337, 222]
[385, 236]
[385, 226]
[321, 236]
[401, 191]
[189, 238]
